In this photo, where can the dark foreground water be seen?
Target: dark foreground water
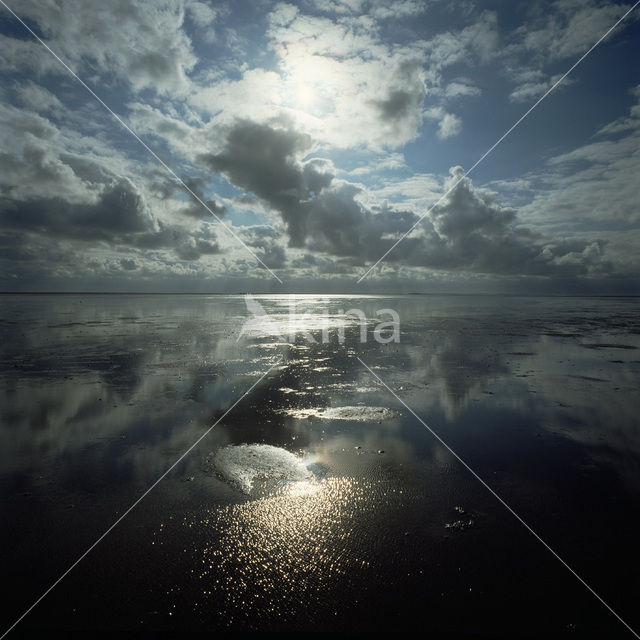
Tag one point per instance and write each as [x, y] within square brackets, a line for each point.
[320, 502]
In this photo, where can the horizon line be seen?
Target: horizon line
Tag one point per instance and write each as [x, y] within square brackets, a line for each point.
[327, 293]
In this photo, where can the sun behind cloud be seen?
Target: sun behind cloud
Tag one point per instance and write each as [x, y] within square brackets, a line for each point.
[305, 95]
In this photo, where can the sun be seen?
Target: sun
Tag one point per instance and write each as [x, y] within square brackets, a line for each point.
[309, 84]
[305, 95]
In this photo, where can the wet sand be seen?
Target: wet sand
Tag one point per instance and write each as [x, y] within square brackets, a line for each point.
[319, 502]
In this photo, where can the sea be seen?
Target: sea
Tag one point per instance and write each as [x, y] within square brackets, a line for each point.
[466, 465]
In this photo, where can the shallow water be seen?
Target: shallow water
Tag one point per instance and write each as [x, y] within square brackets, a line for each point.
[320, 501]
[244, 465]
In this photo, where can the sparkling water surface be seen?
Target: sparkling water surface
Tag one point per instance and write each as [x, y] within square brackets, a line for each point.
[320, 502]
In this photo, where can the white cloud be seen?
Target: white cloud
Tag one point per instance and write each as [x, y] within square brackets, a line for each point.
[330, 76]
[415, 193]
[449, 124]
[346, 85]
[201, 13]
[256, 94]
[474, 43]
[628, 123]
[567, 28]
[590, 191]
[387, 162]
[557, 32]
[383, 10]
[461, 88]
[142, 43]
[38, 98]
[529, 91]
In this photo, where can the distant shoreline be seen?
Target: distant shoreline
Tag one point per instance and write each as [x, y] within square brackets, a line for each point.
[316, 294]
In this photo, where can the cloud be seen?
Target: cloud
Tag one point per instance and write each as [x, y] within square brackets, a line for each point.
[265, 160]
[115, 214]
[202, 14]
[416, 192]
[530, 90]
[449, 124]
[322, 214]
[142, 43]
[400, 109]
[195, 208]
[251, 93]
[472, 231]
[363, 91]
[319, 211]
[378, 9]
[38, 98]
[474, 43]
[339, 79]
[128, 264]
[592, 187]
[555, 32]
[47, 189]
[566, 28]
[188, 247]
[626, 124]
[401, 9]
[386, 162]
[267, 244]
[461, 88]
[305, 126]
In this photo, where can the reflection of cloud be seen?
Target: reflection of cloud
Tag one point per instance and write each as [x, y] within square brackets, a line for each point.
[573, 379]
[156, 373]
[566, 367]
[454, 369]
[89, 374]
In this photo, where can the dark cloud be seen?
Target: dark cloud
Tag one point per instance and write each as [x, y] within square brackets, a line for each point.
[187, 244]
[117, 215]
[195, 208]
[48, 191]
[27, 259]
[265, 241]
[265, 160]
[128, 264]
[190, 248]
[397, 104]
[400, 110]
[469, 231]
[319, 211]
[120, 218]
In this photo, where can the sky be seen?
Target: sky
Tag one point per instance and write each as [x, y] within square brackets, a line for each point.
[286, 147]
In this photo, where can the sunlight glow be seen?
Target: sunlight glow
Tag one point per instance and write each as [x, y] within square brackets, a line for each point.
[311, 84]
[305, 96]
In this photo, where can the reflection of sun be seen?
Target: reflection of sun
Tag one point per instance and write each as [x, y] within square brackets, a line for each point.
[261, 557]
